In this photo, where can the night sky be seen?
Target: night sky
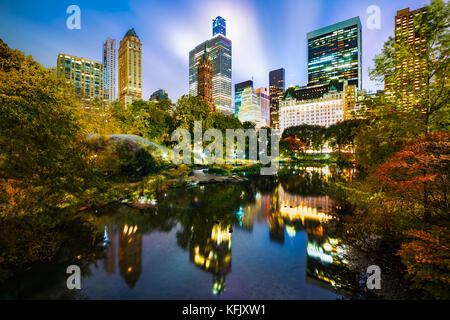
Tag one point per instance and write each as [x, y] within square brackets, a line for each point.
[266, 35]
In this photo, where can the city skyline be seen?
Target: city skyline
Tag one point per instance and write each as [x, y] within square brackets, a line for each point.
[258, 46]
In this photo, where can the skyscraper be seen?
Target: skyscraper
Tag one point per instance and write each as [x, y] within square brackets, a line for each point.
[204, 74]
[130, 68]
[238, 89]
[262, 94]
[409, 79]
[109, 61]
[85, 75]
[219, 26]
[249, 108]
[218, 49]
[334, 52]
[276, 89]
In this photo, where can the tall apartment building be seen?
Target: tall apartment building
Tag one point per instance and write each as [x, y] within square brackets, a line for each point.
[218, 49]
[85, 75]
[263, 100]
[409, 79]
[334, 52]
[249, 108]
[130, 68]
[205, 75]
[322, 104]
[110, 67]
[276, 90]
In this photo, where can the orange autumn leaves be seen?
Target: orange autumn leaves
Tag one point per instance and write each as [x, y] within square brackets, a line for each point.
[421, 166]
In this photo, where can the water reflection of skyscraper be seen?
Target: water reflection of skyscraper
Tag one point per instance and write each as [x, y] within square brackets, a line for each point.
[326, 266]
[130, 254]
[214, 255]
[109, 261]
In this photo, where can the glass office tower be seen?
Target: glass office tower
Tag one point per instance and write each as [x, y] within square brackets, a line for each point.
[276, 90]
[247, 104]
[238, 89]
[219, 26]
[334, 52]
[218, 49]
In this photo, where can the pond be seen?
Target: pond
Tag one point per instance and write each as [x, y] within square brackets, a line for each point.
[268, 238]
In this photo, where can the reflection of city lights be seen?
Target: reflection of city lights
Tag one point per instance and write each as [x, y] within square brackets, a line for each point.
[302, 212]
[218, 234]
[291, 231]
[105, 237]
[327, 247]
[317, 252]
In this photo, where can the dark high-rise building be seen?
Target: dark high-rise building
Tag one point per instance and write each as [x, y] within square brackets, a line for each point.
[219, 52]
[159, 95]
[219, 26]
[334, 52]
[276, 89]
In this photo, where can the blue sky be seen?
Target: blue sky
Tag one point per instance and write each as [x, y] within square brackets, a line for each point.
[266, 34]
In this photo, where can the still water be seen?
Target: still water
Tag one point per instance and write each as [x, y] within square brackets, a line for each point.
[269, 238]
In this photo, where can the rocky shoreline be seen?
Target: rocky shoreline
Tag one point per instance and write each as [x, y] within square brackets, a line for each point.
[201, 178]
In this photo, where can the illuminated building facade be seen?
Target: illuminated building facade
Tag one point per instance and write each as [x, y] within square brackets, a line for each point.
[411, 78]
[219, 51]
[130, 254]
[262, 94]
[130, 68]
[214, 256]
[238, 89]
[204, 82]
[219, 26]
[317, 105]
[110, 67]
[276, 90]
[85, 75]
[334, 52]
[246, 103]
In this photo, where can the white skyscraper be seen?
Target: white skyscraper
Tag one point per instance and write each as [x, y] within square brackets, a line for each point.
[110, 62]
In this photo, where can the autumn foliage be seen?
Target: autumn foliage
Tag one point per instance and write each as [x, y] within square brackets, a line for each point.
[419, 174]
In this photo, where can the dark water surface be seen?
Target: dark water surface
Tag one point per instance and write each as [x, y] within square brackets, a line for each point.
[272, 238]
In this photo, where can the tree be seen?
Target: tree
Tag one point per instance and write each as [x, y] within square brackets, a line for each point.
[149, 119]
[427, 259]
[418, 176]
[415, 101]
[190, 109]
[311, 135]
[43, 157]
[291, 146]
[341, 135]
[99, 118]
[222, 122]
